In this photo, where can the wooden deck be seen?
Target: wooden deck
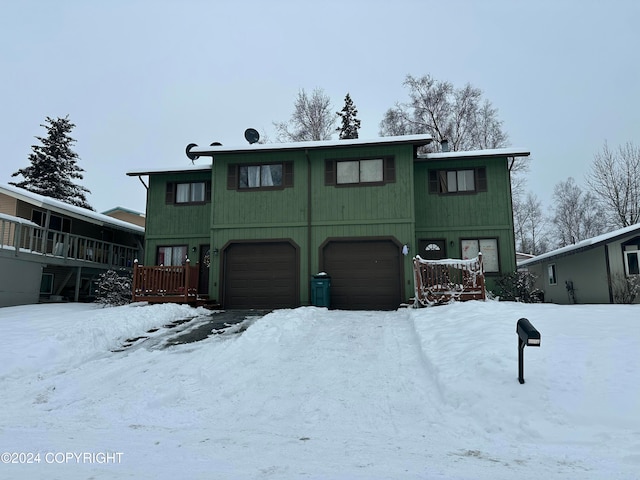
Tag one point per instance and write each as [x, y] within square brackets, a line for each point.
[171, 284]
[442, 281]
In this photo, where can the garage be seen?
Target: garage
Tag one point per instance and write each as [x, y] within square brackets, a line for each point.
[261, 275]
[365, 274]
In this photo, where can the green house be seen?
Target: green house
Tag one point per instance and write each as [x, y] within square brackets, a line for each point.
[263, 219]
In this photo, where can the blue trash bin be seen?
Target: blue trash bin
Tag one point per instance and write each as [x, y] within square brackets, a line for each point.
[321, 290]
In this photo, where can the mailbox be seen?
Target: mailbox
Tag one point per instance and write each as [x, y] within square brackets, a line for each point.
[527, 336]
[527, 333]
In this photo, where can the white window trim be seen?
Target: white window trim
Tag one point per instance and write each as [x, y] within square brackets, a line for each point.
[626, 261]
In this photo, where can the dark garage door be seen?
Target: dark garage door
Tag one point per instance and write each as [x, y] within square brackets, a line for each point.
[261, 275]
[365, 274]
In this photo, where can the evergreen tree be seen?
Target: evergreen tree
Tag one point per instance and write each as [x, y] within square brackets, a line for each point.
[54, 166]
[350, 124]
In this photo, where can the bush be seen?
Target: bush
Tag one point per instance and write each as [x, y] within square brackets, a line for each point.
[114, 288]
[625, 289]
[519, 287]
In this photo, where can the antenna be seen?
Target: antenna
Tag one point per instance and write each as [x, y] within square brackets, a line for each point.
[251, 135]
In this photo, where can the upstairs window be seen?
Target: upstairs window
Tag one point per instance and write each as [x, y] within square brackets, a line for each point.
[470, 180]
[188, 193]
[272, 176]
[368, 171]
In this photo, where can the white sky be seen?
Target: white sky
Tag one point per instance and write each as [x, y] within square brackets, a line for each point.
[142, 79]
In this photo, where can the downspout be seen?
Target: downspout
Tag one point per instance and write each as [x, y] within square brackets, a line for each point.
[306, 153]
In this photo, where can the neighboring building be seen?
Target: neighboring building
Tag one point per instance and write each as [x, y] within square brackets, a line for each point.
[50, 250]
[596, 270]
[126, 215]
[263, 218]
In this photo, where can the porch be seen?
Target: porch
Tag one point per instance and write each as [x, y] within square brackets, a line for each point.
[441, 281]
[27, 238]
[168, 284]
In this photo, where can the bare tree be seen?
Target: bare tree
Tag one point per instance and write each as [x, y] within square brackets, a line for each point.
[615, 180]
[312, 119]
[577, 215]
[530, 225]
[456, 114]
[459, 115]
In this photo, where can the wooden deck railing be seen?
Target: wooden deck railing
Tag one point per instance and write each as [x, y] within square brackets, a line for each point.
[160, 284]
[25, 237]
[441, 281]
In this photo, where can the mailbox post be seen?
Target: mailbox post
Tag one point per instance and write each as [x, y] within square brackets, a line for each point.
[527, 335]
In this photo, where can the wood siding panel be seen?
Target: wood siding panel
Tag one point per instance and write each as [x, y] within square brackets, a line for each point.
[8, 205]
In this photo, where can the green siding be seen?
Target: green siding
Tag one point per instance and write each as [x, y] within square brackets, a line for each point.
[454, 217]
[310, 212]
[175, 224]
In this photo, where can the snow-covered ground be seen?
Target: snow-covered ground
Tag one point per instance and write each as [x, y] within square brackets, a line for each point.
[317, 394]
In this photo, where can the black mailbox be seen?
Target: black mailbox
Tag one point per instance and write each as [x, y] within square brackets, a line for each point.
[527, 336]
[527, 333]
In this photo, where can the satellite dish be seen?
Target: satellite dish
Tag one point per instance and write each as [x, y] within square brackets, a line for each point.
[251, 135]
[192, 156]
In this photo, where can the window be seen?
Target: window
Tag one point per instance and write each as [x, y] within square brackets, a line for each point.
[489, 249]
[632, 262]
[187, 193]
[432, 249]
[172, 256]
[273, 176]
[458, 181]
[57, 223]
[366, 171]
[553, 278]
[258, 176]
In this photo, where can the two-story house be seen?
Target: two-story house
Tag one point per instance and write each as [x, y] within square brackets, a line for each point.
[50, 250]
[261, 219]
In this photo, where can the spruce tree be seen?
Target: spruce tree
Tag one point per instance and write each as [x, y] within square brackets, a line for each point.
[54, 166]
[350, 124]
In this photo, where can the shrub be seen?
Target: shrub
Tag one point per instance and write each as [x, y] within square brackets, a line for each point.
[114, 288]
[519, 287]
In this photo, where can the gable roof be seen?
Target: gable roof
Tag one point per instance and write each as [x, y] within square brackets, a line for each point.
[583, 245]
[69, 210]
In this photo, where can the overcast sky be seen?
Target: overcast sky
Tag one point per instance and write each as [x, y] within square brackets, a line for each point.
[142, 79]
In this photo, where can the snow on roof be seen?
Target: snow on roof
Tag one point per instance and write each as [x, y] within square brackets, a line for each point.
[122, 209]
[23, 221]
[421, 139]
[68, 209]
[582, 245]
[490, 152]
[187, 167]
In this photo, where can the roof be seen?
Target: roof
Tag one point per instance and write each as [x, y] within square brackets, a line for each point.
[582, 245]
[69, 210]
[416, 140]
[492, 152]
[20, 220]
[179, 169]
[122, 209]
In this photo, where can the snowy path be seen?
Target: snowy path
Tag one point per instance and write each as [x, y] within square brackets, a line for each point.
[317, 394]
